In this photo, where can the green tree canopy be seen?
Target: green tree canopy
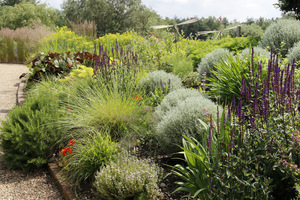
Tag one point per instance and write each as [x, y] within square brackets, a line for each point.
[290, 6]
[13, 2]
[111, 16]
[26, 14]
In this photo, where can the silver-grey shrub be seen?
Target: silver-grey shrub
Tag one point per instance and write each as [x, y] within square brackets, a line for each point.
[159, 79]
[128, 178]
[285, 30]
[184, 120]
[172, 99]
[294, 53]
[259, 53]
[208, 63]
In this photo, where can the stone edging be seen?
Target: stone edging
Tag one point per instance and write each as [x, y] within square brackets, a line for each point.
[64, 188]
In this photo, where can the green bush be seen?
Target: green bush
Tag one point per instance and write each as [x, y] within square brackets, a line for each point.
[172, 100]
[281, 36]
[294, 53]
[259, 54]
[128, 178]
[29, 135]
[176, 62]
[184, 120]
[160, 79]
[207, 64]
[88, 155]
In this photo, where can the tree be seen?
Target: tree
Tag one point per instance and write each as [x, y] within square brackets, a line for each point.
[26, 14]
[290, 6]
[13, 2]
[111, 16]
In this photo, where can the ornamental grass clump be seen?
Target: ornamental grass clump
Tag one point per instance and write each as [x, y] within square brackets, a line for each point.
[251, 149]
[127, 177]
[88, 155]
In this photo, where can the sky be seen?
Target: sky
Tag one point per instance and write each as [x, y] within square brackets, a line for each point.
[238, 10]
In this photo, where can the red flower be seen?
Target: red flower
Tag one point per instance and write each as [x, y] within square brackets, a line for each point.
[71, 142]
[65, 150]
[137, 97]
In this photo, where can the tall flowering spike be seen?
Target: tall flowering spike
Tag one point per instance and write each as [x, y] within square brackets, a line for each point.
[112, 52]
[117, 47]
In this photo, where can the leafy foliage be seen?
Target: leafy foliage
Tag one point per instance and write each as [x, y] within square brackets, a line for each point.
[26, 14]
[128, 177]
[289, 6]
[29, 135]
[183, 120]
[280, 36]
[89, 154]
[294, 53]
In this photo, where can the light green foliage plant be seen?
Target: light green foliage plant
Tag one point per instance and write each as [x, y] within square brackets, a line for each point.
[259, 54]
[128, 178]
[183, 120]
[103, 107]
[281, 36]
[209, 62]
[161, 79]
[65, 40]
[29, 134]
[26, 14]
[174, 98]
[89, 154]
[294, 53]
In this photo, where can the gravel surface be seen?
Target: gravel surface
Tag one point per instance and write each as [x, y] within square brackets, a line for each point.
[17, 185]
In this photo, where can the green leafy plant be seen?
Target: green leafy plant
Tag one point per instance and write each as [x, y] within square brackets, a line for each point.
[29, 134]
[128, 177]
[283, 31]
[88, 155]
[183, 120]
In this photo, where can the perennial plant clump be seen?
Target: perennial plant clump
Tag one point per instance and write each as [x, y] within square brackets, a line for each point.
[248, 152]
[128, 177]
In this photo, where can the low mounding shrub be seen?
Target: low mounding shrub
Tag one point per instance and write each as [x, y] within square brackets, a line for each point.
[172, 100]
[184, 120]
[29, 136]
[207, 64]
[88, 155]
[161, 79]
[281, 36]
[128, 178]
[259, 53]
[294, 53]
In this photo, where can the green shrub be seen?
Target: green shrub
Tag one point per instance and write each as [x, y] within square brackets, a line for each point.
[29, 135]
[294, 53]
[184, 120]
[281, 36]
[161, 79]
[128, 178]
[172, 100]
[177, 62]
[207, 64]
[259, 54]
[89, 154]
[192, 80]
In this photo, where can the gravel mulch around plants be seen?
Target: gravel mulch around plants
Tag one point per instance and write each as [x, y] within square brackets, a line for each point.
[17, 185]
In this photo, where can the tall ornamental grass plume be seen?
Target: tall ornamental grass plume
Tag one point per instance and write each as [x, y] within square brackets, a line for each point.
[251, 149]
[281, 36]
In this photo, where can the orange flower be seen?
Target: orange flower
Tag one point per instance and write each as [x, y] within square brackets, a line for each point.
[65, 150]
[137, 97]
[69, 110]
[71, 142]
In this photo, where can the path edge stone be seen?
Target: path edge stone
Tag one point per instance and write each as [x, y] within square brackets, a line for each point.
[64, 188]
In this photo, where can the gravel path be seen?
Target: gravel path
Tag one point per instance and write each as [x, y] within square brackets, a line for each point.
[16, 185]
